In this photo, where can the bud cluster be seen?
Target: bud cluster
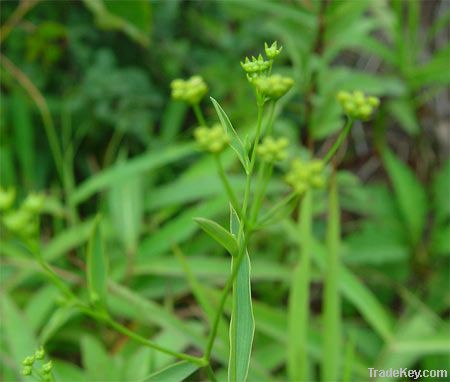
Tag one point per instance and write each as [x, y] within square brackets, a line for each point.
[22, 220]
[303, 176]
[29, 363]
[258, 71]
[273, 150]
[274, 86]
[212, 139]
[357, 105]
[190, 91]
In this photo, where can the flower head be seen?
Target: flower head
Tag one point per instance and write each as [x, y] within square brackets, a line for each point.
[272, 150]
[274, 86]
[212, 139]
[190, 91]
[273, 50]
[7, 198]
[357, 105]
[34, 202]
[303, 176]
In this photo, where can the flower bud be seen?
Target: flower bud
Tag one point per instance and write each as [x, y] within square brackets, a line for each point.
[274, 86]
[255, 66]
[212, 139]
[190, 91]
[357, 105]
[47, 367]
[40, 353]
[305, 175]
[27, 370]
[7, 198]
[34, 202]
[28, 361]
[18, 221]
[273, 150]
[273, 50]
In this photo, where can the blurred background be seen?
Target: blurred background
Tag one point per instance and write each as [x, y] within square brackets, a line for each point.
[86, 118]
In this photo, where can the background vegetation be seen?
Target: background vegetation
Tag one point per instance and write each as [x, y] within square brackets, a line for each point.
[86, 118]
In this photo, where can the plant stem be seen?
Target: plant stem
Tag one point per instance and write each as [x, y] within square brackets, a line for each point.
[277, 207]
[332, 307]
[269, 127]
[343, 134]
[231, 195]
[210, 372]
[198, 114]
[298, 314]
[124, 330]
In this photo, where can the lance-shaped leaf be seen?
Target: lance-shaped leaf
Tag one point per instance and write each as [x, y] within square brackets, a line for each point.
[242, 324]
[236, 143]
[176, 372]
[219, 234]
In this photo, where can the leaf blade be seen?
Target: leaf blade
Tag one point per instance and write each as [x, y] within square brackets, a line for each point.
[176, 372]
[219, 234]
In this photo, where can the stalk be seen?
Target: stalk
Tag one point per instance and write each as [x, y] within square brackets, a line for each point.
[332, 305]
[343, 134]
[198, 114]
[298, 314]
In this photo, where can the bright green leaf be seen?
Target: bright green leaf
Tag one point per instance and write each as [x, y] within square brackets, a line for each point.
[219, 234]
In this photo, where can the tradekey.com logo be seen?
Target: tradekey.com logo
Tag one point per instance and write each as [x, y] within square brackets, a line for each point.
[406, 373]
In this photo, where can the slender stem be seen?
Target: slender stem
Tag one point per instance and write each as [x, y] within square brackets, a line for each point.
[339, 140]
[124, 330]
[298, 310]
[211, 375]
[199, 114]
[231, 195]
[269, 127]
[23, 8]
[277, 207]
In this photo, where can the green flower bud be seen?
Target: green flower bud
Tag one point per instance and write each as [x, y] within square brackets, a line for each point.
[47, 367]
[34, 202]
[18, 221]
[28, 361]
[274, 86]
[305, 175]
[7, 198]
[273, 150]
[40, 353]
[212, 139]
[273, 50]
[255, 66]
[190, 91]
[27, 370]
[357, 105]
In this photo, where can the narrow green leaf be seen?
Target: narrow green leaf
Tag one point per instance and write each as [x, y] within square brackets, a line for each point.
[98, 365]
[298, 310]
[236, 143]
[177, 372]
[219, 234]
[242, 324]
[410, 195]
[132, 167]
[96, 267]
[332, 305]
[402, 110]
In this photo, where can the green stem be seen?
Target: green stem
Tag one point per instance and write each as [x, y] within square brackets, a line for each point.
[211, 375]
[339, 140]
[276, 208]
[269, 127]
[231, 195]
[124, 330]
[198, 114]
[298, 314]
[331, 359]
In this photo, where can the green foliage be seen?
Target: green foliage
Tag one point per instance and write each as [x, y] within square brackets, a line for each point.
[332, 265]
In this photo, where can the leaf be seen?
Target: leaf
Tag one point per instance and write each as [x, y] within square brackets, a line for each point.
[236, 143]
[242, 323]
[178, 372]
[410, 196]
[139, 165]
[98, 364]
[219, 234]
[59, 317]
[137, 366]
[16, 331]
[403, 111]
[96, 271]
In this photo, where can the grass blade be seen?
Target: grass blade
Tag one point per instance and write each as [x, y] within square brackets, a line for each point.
[176, 372]
[298, 316]
[236, 143]
[242, 324]
[332, 305]
[96, 267]
[219, 234]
